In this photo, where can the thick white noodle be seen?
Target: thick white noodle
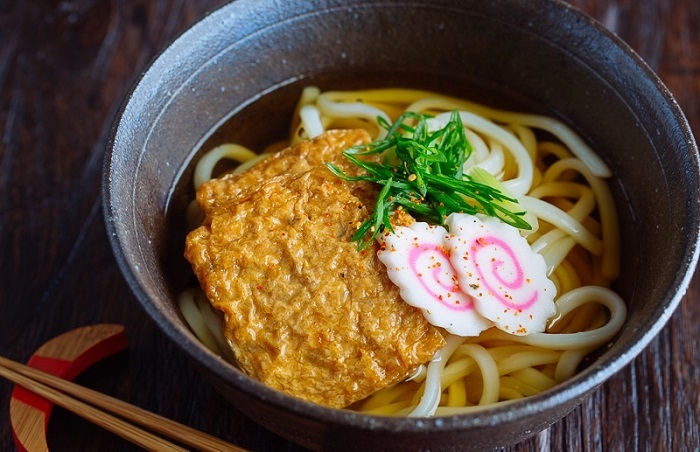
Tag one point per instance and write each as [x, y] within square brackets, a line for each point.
[327, 106]
[308, 95]
[457, 368]
[194, 318]
[431, 395]
[489, 372]
[560, 130]
[606, 207]
[556, 252]
[523, 360]
[527, 138]
[535, 377]
[519, 185]
[562, 220]
[214, 323]
[569, 362]
[553, 245]
[585, 197]
[545, 240]
[495, 162]
[311, 121]
[205, 165]
[480, 151]
[574, 142]
[247, 164]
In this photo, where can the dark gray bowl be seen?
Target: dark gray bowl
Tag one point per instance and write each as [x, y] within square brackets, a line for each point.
[237, 74]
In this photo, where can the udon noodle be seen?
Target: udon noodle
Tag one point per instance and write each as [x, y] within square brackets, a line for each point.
[555, 177]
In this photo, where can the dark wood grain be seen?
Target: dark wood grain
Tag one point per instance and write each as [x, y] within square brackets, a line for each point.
[64, 69]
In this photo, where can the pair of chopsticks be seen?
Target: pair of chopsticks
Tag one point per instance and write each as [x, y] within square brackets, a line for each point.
[89, 404]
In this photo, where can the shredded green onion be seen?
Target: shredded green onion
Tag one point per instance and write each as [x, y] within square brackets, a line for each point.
[422, 172]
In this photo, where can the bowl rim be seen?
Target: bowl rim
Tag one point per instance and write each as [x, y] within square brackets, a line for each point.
[576, 388]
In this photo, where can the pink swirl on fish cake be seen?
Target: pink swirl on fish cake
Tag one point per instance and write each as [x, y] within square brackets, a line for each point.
[431, 265]
[497, 267]
[501, 275]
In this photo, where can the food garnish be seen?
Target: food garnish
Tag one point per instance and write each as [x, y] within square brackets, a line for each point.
[418, 262]
[422, 172]
[479, 274]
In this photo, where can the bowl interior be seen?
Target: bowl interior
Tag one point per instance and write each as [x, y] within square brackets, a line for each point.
[236, 75]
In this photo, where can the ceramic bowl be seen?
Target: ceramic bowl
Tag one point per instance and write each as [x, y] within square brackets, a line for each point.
[237, 74]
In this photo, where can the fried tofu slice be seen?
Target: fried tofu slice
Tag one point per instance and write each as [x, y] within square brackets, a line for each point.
[327, 147]
[305, 311]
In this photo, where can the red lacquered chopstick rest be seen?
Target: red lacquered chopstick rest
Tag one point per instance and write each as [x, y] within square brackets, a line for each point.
[65, 356]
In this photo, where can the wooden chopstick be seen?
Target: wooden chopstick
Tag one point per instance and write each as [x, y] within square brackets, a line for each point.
[85, 403]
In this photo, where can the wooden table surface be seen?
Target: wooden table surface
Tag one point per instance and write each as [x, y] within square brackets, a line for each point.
[64, 68]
